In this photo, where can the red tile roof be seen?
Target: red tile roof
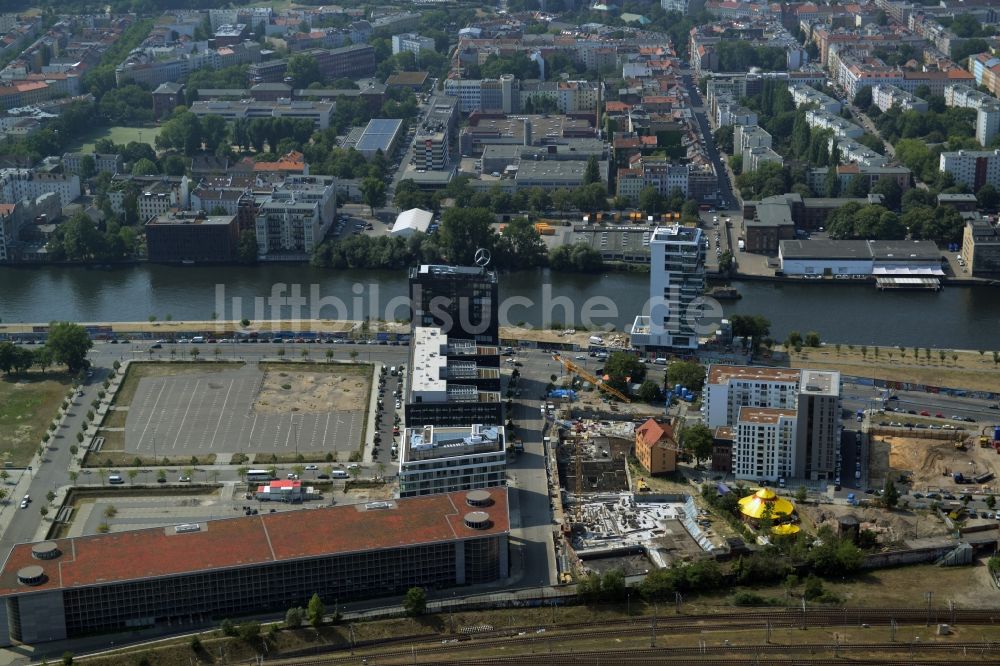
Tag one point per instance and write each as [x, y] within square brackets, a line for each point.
[652, 432]
[244, 541]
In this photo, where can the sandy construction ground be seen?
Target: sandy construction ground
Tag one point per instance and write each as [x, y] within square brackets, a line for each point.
[930, 461]
[311, 392]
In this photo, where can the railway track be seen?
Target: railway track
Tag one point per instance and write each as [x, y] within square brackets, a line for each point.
[541, 639]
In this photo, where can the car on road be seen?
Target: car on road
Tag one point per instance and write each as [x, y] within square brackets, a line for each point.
[580, 358]
[312, 468]
[925, 413]
[184, 479]
[25, 501]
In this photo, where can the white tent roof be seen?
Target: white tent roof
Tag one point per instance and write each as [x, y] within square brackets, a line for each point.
[414, 219]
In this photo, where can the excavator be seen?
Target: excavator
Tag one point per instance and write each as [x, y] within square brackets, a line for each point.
[573, 368]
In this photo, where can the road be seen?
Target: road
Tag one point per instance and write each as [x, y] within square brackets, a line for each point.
[698, 109]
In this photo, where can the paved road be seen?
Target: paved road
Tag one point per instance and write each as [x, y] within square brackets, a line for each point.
[725, 185]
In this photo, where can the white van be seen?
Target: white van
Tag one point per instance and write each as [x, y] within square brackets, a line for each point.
[115, 479]
[339, 474]
[198, 338]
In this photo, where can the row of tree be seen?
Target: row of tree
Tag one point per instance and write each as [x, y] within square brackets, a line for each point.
[66, 344]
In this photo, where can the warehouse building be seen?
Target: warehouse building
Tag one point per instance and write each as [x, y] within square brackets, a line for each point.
[63, 588]
[192, 237]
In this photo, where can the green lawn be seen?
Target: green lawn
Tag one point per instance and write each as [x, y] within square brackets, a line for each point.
[120, 135]
[27, 405]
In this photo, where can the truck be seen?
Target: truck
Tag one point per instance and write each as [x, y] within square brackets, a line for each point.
[958, 477]
[984, 477]
[518, 445]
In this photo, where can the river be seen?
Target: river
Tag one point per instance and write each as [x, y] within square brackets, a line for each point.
[955, 317]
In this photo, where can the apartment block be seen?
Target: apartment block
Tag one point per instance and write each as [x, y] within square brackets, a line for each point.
[856, 153]
[981, 247]
[410, 42]
[973, 168]
[501, 95]
[885, 96]
[18, 184]
[730, 388]
[764, 443]
[817, 437]
[435, 459]
[656, 447]
[755, 158]
[156, 194]
[840, 127]
[676, 279]
[103, 163]
[296, 216]
[807, 95]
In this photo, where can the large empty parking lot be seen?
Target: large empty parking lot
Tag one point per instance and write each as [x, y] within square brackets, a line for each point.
[278, 409]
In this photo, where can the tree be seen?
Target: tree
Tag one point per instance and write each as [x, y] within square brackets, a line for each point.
[69, 344]
[649, 391]
[415, 601]
[892, 195]
[863, 98]
[145, 167]
[800, 494]
[753, 328]
[373, 192]
[247, 250]
[592, 173]
[315, 611]
[463, 231]
[697, 439]
[988, 197]
[294, 617]
[689, 374]
[303, 70]
[890, 496]
[649, 200]
[88, 167]
[623, 367]
[811, 339]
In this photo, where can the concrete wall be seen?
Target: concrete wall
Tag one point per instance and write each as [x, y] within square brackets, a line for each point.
[43, 617]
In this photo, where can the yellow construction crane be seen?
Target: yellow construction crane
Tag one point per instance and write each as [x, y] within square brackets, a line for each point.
[573, 368]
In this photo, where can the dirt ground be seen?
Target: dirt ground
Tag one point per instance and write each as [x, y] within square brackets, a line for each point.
[970, 370]
[930, 461]
[891, 526]
[312, 392]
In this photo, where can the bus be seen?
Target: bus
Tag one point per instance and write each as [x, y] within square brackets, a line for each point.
[255, 475]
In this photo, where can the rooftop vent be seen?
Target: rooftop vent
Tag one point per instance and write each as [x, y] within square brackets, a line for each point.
[31, 575]
[478, 520]
[478, 498]
[378, 505]
[187, 527]
[45, 550]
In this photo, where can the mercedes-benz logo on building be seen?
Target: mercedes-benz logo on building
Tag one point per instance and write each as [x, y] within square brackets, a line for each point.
[482, 258]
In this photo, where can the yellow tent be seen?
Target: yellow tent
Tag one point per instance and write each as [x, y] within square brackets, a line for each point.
[785, 530]
[752, 506]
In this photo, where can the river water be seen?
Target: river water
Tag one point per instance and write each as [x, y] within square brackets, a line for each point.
[955, 317]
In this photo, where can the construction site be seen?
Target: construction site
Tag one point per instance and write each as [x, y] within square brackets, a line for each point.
[613, 521]
[937, 459]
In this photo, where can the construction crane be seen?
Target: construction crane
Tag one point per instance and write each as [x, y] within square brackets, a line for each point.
[573, 368]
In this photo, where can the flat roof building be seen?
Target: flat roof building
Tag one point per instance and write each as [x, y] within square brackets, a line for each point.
[160, 576]
[192, 237]
[452, 382]
[436, 459]
[380, 134]
[981, 247]
[730, 387]
[463, 301]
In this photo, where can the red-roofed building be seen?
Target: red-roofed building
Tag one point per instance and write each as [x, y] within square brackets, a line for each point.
[655, 447]
[108, 582]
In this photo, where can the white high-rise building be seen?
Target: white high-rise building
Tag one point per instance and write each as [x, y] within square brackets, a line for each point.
[729, 388]
[676, 279]
[785, 422]
[764, 443]
[411, 42]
